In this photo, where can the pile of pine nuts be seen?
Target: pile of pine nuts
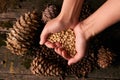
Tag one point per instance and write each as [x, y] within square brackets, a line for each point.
[67, 40]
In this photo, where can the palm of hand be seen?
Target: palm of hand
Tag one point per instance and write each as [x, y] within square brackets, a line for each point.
[52, 26]
[80, 46]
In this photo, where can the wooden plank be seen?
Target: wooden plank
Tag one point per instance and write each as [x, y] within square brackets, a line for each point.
[33, 77]
[25, 77]
[12, 63]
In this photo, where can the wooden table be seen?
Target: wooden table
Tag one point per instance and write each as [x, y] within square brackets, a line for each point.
[11, 67]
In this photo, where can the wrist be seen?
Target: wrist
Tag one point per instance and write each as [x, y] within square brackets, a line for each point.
[87, 29]
[67, 20]
[102, 18]
[70, 11]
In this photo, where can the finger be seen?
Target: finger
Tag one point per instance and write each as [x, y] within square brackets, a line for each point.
[75, 59]
[62, 53]
[43, 36]
[59, 51]
[50, 45]
[65, 55]
[58, 45]
[56, 50]
[80, 45]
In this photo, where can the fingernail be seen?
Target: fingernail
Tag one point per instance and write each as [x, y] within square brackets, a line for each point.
[69, 63]
[40, 43]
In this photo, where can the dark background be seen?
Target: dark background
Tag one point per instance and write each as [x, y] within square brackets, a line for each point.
[14, 67]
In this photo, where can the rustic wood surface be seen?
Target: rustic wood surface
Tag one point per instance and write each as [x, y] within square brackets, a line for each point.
[11, 67]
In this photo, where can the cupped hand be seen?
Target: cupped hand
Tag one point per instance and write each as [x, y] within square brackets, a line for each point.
[80, 45]
[57, 25]
[53, 26]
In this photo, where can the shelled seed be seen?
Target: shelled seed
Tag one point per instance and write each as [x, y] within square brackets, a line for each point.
[66, 38]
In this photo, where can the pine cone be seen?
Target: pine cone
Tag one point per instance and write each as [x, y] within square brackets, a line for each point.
[22, 35]
[49, 54]
[49, 13]
[84, 66]
[105, 57]
[41, 66]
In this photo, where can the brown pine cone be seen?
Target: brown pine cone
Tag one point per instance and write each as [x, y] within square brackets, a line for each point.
[42, 66]
[49, 13]
[105, 57]
[22, 35]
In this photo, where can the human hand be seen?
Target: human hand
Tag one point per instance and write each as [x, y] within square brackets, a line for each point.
[80, 46]
[93, 27]
[53, 26]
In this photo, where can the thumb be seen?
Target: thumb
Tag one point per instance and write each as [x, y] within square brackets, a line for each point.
[43, 36]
